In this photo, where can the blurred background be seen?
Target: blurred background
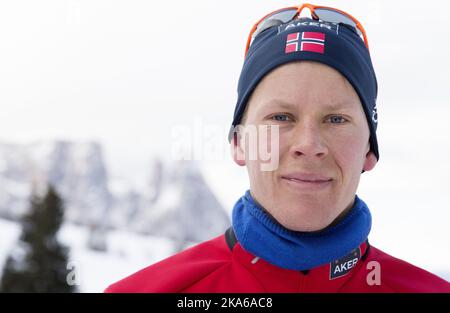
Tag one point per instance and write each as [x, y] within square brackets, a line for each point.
[124, 107]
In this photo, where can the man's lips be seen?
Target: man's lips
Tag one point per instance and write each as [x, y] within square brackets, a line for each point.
[307, 177]
[307, 181]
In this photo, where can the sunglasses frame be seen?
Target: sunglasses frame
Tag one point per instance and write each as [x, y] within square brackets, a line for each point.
[311, 8]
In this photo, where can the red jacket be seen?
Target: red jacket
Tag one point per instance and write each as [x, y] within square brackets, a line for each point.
[222, 265]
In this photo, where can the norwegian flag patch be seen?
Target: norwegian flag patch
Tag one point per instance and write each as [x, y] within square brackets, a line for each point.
[305, 41]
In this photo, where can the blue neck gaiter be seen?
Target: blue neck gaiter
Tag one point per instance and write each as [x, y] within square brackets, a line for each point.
[261, 235]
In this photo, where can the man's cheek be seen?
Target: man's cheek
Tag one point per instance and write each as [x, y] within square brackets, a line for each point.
[348, 155]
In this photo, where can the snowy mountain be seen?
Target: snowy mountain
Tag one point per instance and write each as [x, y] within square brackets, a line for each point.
[176, 203]
[77, 171]
[183, 206]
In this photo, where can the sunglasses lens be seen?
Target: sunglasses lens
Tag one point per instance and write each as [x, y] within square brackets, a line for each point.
[275, 19]
[336, 17]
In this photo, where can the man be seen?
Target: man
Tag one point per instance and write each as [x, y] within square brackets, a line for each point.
[307, 94]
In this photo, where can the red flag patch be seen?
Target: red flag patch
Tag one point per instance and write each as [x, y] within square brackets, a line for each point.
[305, 41]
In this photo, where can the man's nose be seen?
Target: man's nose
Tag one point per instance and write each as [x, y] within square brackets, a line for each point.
[307, 141]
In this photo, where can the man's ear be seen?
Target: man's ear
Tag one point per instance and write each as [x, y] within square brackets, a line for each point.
[237, 151]
[370, 161]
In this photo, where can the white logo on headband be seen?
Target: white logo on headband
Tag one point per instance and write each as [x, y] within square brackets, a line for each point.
[297, 23]
[375, 114]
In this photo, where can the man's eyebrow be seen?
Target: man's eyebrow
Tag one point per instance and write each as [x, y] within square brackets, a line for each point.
[278, 103]
[340, 105]
[329, 106]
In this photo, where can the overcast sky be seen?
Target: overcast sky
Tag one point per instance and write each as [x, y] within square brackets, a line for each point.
[126, 73]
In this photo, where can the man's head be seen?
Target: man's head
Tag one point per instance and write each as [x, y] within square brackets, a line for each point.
[323, 103]
[323, 140]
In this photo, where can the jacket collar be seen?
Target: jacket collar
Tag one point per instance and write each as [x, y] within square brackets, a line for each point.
[325, 278]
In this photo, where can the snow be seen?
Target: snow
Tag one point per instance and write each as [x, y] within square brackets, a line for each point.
[94, 271]
[167, 201]
[40, 150]
[9, 232]
[227, 180]
[17, 189]
[119, 187]
[127, 253]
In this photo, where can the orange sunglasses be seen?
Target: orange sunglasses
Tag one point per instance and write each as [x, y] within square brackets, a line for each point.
[285, 15]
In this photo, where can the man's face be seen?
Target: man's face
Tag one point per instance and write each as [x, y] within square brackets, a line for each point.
[323, 145]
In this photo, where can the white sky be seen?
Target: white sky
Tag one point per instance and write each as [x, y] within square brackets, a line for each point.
[126, 72]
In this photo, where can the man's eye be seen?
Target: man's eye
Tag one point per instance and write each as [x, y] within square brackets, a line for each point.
[337, 119]
[280, 117]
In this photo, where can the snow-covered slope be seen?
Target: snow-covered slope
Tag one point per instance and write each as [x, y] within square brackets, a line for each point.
[93, 271]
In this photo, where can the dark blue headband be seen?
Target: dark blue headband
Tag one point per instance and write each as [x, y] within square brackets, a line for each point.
[336, 45]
